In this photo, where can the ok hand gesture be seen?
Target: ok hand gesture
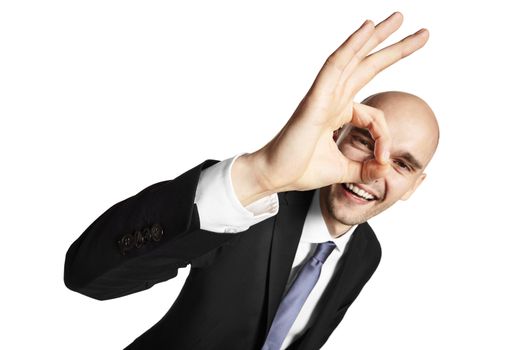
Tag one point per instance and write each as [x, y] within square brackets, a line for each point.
[303, 155]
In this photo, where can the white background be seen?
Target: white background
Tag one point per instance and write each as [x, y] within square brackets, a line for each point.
[100, 99]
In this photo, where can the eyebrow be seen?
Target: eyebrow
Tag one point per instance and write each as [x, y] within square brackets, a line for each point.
[406, 156]
[409, 158]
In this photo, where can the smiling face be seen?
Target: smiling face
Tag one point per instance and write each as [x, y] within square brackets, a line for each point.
[414, 133]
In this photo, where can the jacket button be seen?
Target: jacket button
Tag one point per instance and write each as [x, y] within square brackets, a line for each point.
[126, 243]
[146, 233]
[156, 232]
[139, 239]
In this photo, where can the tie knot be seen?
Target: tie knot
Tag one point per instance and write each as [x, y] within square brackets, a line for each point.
[323, 250]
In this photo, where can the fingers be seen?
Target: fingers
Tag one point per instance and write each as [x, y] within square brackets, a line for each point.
[372, 170]
[366, 172]
[348, 49]
[335, 64]
[373, 119]
[395, 52]
[382, 31]
[376, 62]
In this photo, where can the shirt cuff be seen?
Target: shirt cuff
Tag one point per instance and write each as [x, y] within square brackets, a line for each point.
[219, 208]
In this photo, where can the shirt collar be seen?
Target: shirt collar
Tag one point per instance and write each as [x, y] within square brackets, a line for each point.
[315, 230]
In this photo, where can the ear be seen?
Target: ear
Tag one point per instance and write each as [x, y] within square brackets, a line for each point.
[414, 186]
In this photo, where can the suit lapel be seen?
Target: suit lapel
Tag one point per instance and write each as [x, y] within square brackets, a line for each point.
[356, 266]
[293, 207]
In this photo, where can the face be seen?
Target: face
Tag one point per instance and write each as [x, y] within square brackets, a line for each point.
[350, 204]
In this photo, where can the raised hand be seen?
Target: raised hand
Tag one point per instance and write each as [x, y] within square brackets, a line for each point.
[303, 155]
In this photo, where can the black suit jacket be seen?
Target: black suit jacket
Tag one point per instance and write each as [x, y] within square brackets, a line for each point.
[236, 280]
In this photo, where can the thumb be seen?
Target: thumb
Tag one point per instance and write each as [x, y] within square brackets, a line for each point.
[364, 172]
[372, 170]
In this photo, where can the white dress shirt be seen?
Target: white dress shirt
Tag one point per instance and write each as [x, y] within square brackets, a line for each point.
[221, 211]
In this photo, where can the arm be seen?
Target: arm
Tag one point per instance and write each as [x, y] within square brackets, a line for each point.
[144, 239]
[141, 240]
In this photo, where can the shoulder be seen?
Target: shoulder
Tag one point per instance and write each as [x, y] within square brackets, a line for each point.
[368, 242]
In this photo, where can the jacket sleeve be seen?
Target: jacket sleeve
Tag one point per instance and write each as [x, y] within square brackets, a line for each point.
[141, 240]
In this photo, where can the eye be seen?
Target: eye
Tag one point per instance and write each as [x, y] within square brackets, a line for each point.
[401, 164]
[362, 143]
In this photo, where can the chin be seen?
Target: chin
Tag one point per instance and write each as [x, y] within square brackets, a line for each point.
[347, 214]
[352, 220]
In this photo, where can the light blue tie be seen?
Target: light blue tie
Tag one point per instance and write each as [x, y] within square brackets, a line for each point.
[294, 299]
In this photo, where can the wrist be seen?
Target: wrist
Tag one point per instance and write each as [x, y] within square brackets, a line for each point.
[248, 180]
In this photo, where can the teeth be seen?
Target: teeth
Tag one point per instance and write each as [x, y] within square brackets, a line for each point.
[359, 191]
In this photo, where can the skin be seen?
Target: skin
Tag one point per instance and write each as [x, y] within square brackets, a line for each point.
[415, 134]
[304, 155]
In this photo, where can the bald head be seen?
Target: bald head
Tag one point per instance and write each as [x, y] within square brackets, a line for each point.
[414, 135]
[409, 118]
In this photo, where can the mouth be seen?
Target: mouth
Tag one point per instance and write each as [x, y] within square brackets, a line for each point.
[358, 194]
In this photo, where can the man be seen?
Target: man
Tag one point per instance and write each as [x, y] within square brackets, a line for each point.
[277, 239]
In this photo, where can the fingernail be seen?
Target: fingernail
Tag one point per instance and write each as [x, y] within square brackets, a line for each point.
[386, 156]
